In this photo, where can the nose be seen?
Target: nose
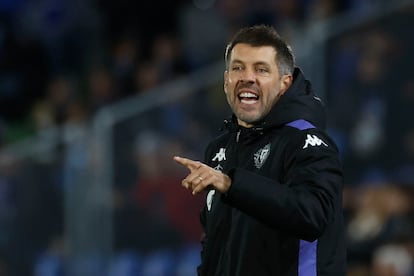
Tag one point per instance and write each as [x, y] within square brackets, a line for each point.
[248, 76]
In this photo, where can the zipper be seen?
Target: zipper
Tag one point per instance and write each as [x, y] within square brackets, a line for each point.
[238, 136]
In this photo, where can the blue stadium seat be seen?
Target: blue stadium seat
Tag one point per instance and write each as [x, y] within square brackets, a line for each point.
[159, 263]
[48, 265]
[126, 263]
[188, 260]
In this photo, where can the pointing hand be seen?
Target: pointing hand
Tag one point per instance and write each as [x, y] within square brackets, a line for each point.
[201, 176]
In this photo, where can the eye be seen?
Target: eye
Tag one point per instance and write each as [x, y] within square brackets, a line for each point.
[236, 68]
[262, 70]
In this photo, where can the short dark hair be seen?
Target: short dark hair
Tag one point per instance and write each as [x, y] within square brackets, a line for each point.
[263, 35]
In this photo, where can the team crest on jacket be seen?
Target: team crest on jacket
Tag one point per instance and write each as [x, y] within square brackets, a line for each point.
[261, 155]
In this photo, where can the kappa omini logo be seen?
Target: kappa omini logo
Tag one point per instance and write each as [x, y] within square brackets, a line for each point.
[313, 140]
[261, 155]
[219, 167]
[220, 156]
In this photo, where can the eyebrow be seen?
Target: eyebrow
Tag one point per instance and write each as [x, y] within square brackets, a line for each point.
[256, 63]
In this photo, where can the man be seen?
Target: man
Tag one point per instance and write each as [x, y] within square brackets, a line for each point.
[273, 179]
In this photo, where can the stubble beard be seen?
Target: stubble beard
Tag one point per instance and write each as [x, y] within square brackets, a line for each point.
[249, 117]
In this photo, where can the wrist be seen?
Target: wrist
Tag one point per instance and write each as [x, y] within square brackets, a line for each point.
[227, 183]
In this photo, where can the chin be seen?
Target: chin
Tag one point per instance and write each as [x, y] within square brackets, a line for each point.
[249, 120]
[249, 117]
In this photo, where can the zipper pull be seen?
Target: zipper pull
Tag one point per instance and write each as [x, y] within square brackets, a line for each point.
[238, 135]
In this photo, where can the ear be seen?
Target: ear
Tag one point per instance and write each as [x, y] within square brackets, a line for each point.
[285, 83]
[226, 80]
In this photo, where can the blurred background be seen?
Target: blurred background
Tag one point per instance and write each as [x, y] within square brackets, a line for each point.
[96, 96]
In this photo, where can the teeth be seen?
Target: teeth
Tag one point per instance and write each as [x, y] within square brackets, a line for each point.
[248, 95]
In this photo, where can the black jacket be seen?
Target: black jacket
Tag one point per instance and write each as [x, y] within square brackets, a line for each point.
[283, 212]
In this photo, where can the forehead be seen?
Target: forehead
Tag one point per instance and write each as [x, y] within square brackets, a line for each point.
[253, 54]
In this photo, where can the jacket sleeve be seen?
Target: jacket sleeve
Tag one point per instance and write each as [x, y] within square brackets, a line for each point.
[309, 199]
[203, 222]
[200, 267]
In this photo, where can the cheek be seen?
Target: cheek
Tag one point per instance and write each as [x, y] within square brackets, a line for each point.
[230, 97]
[232, 78]
[229, 84]
[274, 95]
[229, 87]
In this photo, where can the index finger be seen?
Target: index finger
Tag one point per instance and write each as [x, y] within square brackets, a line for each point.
[190, 164]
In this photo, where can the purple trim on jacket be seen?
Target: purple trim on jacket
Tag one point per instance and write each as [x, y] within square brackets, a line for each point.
[307, 258]
[301, 124]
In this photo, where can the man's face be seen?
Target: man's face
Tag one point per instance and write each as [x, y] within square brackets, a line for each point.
[252, 82]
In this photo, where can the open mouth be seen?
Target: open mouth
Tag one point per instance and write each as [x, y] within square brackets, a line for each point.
[248, 98]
